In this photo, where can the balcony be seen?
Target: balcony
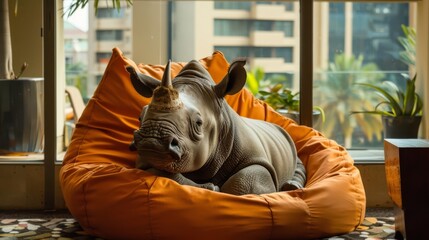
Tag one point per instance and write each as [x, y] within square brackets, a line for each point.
[271, 39]
[113, 23]
[272, 12]
[274, 65]
[231, 41]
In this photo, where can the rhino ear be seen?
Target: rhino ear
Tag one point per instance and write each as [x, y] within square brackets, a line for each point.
[143, 84]
[234, 80]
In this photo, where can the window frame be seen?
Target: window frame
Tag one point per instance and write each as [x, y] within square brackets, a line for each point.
[52, 71]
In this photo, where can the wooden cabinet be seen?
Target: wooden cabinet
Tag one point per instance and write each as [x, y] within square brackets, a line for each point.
[407, 176]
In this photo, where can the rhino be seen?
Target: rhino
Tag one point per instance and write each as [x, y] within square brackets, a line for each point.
[189, 133]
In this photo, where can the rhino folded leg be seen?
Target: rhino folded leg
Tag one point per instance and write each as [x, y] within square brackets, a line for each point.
[253, 179]
[298, 180]
[179, 178]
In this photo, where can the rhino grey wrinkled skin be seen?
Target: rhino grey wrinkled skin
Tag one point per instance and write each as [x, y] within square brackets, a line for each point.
[190, 134]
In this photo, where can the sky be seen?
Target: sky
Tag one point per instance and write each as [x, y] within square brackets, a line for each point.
[79, 18]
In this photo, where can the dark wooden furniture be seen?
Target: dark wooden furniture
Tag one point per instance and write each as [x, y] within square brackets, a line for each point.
[407, 176]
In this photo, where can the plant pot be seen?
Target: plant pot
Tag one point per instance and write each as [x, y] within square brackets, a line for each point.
[401, 127]
[294, 115]
[21, 115]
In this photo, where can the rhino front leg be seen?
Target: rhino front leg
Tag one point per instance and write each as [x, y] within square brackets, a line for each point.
[299, 178]
[182, 179]
[253, 179]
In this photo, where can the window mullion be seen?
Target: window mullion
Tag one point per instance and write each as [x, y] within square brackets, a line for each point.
[306, 62]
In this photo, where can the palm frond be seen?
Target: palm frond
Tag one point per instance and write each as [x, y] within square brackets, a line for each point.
[76, 4]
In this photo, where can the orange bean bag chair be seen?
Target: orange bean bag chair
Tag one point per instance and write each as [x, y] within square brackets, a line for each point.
[113, 200]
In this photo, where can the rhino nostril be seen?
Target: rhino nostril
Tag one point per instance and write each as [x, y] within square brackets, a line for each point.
[174, 148]
[174, 142]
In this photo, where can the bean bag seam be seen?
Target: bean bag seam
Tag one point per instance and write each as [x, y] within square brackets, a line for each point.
[355, 189]
[149, 188]
[361, 200]
[85, 203]
[308, 210]
[95, 98]
[360, 197]
[95, 104]
[272, 217]
[82, 139]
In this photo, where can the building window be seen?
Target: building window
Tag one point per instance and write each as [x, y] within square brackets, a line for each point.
[262, 52]
[98, 78]
[263, 25]
[233, 5]
[283, 26]
[109, 35]
[110, 13]
[288, 5]
[284, 52]
[103, 57]
[232, 52]
[224, 27]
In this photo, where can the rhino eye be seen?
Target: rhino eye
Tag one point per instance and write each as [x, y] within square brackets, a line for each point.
[199, 122]
[197, 126]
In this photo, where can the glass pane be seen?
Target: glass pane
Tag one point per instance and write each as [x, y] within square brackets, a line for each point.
[356, 43]
[22, 122]
[265, 32]
[353, 42]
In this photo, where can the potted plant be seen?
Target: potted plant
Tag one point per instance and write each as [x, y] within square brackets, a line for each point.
[279, 97]
[286, 102]
[21, 108]
[401, 109]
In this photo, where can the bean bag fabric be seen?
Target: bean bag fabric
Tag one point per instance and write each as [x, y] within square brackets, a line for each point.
[113, 200]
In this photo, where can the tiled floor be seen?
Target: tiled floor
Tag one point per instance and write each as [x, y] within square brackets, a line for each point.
[378, 224]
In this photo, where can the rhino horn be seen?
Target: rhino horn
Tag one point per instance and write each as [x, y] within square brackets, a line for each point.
[166, 78]
[165, 97]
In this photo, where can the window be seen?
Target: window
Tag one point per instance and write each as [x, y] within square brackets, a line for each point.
[109, 35]
[268, 25]
[232, 52]
[329, 36]
[362, 46]
[353, 41]
[110, 13]
[285, 26]
[263, 25]
[233, 5]
[262, 52]
[225, 27]
[103, 57]
[284, 52]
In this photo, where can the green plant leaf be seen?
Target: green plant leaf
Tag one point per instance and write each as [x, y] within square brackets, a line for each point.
[252, 83]
[396, 108]
[96, 5]
[408, 42]
[409, 100]
[419, 105]
[82, 3]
